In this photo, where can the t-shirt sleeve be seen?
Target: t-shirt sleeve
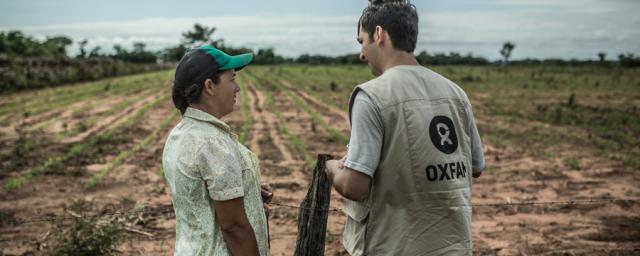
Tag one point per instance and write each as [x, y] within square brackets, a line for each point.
[365, 144]
[219, 167]
[477, 156]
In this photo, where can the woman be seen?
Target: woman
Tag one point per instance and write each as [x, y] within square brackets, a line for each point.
[214, 180]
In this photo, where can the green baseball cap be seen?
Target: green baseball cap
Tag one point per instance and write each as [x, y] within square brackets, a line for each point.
[226, 61]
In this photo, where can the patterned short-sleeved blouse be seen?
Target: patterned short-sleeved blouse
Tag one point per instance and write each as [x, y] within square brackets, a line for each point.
[203, 161]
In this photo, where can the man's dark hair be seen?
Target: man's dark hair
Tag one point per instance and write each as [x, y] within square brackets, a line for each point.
[398, 17]
[192, 71]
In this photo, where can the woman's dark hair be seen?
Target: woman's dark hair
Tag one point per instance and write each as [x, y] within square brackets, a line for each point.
[398, 17]
[192, 71]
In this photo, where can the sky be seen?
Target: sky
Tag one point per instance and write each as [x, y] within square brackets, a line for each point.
[540, 28]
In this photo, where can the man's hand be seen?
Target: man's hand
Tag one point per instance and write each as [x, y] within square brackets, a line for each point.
[333, 166]
[266, 192]
[349, 183]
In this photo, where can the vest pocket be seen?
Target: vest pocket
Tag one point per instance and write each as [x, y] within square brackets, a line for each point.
[356, 210]
[355, 229]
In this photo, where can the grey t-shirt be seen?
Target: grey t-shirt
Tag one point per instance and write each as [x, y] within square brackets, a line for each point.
[365, 144]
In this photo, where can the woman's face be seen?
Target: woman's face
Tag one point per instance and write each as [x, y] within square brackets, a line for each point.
[225, 92]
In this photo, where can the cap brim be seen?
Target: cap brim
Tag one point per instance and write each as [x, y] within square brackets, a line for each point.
[238, 62]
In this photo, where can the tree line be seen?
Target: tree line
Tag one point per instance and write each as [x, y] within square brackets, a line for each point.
[27, 63]
[15, 43]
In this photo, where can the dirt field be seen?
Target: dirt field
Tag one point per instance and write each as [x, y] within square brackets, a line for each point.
[96, 147]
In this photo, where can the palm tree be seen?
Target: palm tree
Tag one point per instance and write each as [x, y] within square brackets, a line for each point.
[507, 48]
[200, 35]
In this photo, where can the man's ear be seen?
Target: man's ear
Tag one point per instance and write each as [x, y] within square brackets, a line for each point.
[379, 35]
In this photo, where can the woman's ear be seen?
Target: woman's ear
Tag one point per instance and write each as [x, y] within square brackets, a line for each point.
[209, 86]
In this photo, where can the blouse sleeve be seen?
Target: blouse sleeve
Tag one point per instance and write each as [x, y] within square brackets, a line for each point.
[219, 167]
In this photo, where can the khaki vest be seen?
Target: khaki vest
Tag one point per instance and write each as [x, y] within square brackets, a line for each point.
[420, 198]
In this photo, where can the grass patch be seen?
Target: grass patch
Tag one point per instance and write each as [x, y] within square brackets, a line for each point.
[87, 235]
[572, 163]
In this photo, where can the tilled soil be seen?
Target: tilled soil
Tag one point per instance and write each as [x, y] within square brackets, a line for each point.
[499, 228]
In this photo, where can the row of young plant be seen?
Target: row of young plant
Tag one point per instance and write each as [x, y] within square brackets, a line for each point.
[246, 111]
[30, 103]
[296, 142]
[110, 85]
[80, 148]
[316, 117]
[566, 98]
[330, 84]
[88, 121]
[119, 160]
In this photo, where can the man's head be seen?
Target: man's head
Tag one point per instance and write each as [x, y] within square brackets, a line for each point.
[205, 75]
[386, 26]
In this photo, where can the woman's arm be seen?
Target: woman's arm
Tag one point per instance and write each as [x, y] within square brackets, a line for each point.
[235, 227]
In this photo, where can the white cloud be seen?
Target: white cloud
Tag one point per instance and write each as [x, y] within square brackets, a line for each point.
[538, 32]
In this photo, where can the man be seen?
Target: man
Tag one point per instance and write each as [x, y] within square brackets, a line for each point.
[414, 147]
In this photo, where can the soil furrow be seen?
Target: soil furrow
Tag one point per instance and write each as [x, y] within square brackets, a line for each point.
[332, 114]
[269, 127]
[137, 182]
[112, 120]
[317, 141]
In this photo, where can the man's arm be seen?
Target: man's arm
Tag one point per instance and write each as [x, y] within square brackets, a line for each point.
[352, 174]
[349, 183]
[477, 155]
[235, 227]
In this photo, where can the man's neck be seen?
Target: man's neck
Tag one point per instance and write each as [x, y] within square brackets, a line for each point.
[397, 58]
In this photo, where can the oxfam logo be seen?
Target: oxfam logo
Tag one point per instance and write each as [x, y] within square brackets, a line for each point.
[443, 134]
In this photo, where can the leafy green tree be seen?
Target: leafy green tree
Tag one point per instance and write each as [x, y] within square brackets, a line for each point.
[453, 58]
[602, 56]
[138, 55]
[629, 60]
[265, 56]
[200, 35]
[95, 52]
[83, 49]
[506, 50]
[15, 43]
[139, 47]
[173, 54]
[119, 50]
[57, 46]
